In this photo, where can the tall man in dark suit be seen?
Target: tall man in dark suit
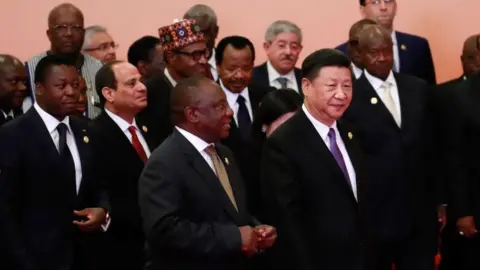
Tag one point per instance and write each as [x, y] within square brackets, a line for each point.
[186, 55]
[235, 58]
[13, 90]
[283, 44]
[121, 146]
[312, 177]
[49, 198]
[192, 198]
[389, 112]
[412, 53]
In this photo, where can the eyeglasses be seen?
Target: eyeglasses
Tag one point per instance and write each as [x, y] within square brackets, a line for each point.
[62, 29]
[104, 47]
[195, 55]
[378, 2]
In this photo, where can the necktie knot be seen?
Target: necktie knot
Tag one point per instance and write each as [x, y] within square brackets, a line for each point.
[62, 128]
[211, 150]
[132, 129]
[240, 99]
[331, 134]
[283, 82]
[137, 145]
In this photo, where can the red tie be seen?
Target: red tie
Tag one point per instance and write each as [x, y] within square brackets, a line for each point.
[137, 145]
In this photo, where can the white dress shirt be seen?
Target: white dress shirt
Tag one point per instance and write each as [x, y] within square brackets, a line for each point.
[356, 71]
[213, 65]
[323, 130]
[273, 75]
[169, 77]
[232, 101]
[199, 144]
[124, 125]
[376, 83]
[52, 123]
[396, 54]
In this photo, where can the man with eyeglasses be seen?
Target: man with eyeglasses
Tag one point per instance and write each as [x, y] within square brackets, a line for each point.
[186, 55]
[99, 44]
[66, 34]
[412, 53]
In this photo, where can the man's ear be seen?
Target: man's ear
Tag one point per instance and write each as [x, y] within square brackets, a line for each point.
[108, 94]
[266, 45]
[142, 68]
[306, 84]
[39, 89]
[191, 114]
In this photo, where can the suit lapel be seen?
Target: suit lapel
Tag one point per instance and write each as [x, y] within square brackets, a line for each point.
[402, 52]
[151, 142]
[404, 97]
[347, 137]
[199, 164]
[43, 137]
[82, 140]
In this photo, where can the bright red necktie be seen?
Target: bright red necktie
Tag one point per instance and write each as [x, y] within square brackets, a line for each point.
[137, 145]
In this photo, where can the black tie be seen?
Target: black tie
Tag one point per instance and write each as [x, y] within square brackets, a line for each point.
[66, 157]
[243, 118]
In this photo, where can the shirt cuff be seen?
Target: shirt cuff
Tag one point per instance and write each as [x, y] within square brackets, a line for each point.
[105, 226]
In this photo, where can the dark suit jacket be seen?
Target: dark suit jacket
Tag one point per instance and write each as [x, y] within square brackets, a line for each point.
[415, 56]
[157, 114]
[464, 184]
[309, 200]
[260, 77]
[118, 164]
[36, 204]
[188, 218]
[399, 194]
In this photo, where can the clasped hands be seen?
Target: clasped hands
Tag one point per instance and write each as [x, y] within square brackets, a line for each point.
[260, 237]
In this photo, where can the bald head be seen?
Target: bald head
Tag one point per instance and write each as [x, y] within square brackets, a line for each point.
[357, 27]
[372, 34]
[376, 50]
[471, 55]
[9, 61]
[187, 93]
[353, 37]
[471, 45]
[62, 9]
[13, 79]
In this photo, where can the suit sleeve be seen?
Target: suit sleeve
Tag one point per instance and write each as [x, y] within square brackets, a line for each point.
[161, 206]
[282, 195]
[13, 240]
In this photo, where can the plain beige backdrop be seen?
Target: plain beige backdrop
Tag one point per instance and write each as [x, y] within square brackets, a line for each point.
[325, 23]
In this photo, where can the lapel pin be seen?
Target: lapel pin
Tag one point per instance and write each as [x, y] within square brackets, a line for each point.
[350, 135]
[86, 139]
[374, 100]
[144, 128]
[403, 47]
[226, 161]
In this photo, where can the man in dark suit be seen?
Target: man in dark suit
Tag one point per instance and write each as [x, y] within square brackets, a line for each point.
[185, 56]
[121, 147]
[412, 53]
[283, 44]
[312, 177]
[389, 111]
[49, 198]
[192, 198]
[235, 58]
[13, 89]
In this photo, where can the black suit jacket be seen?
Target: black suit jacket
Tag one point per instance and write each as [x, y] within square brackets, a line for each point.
[36, 203]
[415, 56]
[310, 201]
[260, 77]
[119, 166]
[188, 218]
[399, 194]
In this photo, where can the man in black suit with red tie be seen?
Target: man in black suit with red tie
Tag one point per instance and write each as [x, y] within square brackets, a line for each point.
[13, 89]
[389, 111]
[312, 178]
[122, 145]
[49, 198]
[192, 198]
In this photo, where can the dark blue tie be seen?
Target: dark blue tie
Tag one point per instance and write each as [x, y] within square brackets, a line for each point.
[68, 165]
[243, 118]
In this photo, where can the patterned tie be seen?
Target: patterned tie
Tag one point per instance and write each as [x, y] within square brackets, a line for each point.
[389, 103]
[243, 118]
[337, 154]
[283, 82]
[221, 173]
[137, 145]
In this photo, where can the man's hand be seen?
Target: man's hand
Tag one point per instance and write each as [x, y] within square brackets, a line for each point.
[249, 240]
[95, 218]
[466, 226]
[267, 235]
[442, 216]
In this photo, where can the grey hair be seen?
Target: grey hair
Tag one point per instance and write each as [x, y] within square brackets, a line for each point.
[202, 11]
[282, 26]
[89, 32]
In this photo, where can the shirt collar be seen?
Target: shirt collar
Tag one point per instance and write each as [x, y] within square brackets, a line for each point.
[273, 74]
[169, 77]
[321, 128]
[212, 61]
[232, 97]
[196, 141]
[356, 71]
[394, 38]
[51, 122]
[377, 83]
[124, 125]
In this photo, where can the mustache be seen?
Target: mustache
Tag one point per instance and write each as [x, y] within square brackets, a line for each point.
[288, 57]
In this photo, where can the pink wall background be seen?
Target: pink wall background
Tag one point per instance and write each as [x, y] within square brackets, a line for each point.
[325, 23]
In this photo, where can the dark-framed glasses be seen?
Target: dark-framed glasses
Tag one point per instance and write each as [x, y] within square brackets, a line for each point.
[195, 55]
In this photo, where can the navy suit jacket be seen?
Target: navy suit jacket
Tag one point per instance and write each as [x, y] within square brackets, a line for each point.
[415, 56]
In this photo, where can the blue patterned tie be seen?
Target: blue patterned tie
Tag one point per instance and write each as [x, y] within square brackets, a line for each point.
[337, 154]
